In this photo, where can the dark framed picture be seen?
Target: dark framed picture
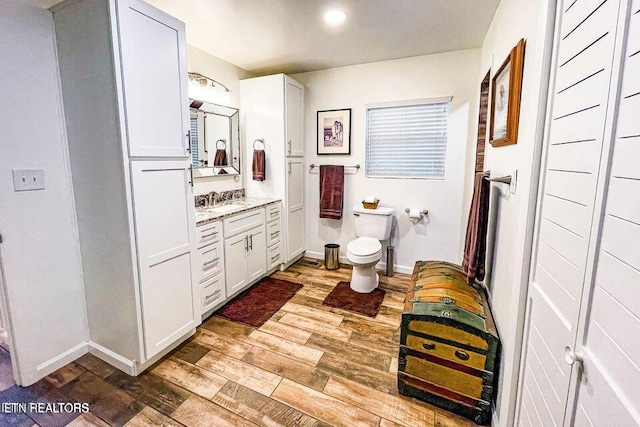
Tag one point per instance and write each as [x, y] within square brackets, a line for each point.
[506, 90]
[334, 132]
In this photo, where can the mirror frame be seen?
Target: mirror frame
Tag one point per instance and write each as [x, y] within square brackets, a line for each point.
[214, 171]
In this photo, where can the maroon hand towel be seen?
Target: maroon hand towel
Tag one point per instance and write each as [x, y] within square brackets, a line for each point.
[475, 246]
[259, 166]
[221, 158]
[331, 191]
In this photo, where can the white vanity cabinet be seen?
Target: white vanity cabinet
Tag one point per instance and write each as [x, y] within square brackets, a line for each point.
[210, 266]
[273, 217]
[245, 248]
[124, 84]
[273, 110]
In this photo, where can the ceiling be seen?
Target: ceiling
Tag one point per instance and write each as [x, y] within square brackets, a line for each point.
[267, 36]
[289, 36]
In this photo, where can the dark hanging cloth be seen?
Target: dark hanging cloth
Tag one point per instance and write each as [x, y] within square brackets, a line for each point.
[221, 158]
[475, 246]
[331, 191]
[259, 165]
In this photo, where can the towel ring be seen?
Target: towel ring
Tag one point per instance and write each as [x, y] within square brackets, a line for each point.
[261, 141]
[224, 144]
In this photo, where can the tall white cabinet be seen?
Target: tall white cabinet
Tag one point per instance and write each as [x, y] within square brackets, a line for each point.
[273, 111]
[124, 83]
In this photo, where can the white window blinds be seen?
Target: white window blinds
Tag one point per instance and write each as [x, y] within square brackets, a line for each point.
[407, 141]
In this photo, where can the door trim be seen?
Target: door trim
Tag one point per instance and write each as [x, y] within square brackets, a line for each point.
[549, 41]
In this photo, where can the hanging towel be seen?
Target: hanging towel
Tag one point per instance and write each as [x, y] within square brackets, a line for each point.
[331, 191]
[221, 158]
[475, 246]
[259, 165]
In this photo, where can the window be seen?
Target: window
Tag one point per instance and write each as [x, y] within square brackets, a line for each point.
[407, 141]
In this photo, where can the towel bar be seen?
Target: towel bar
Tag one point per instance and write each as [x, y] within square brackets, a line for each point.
[502, 180]
[311, 166]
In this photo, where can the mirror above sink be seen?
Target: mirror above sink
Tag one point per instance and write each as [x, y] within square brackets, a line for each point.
[215, 139]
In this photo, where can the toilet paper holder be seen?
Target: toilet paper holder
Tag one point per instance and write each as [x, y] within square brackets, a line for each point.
[423, 212]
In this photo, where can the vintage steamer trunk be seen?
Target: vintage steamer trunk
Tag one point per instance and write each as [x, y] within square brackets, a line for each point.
[449, 343]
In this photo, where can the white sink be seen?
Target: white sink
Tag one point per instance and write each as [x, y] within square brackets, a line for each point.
[224, 208]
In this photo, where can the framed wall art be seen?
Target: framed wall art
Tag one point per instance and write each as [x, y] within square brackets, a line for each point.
[334, 132]
[506, 90]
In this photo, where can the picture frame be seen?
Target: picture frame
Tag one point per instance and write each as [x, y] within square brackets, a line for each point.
[334, 132]
[506, 91]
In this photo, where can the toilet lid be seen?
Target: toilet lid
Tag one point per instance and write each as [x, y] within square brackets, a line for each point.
[363, 246]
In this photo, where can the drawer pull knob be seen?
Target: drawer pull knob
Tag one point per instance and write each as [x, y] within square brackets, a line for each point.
[462, 355]
[275, 233]
[274, 213]
[428, 346]
[212, 261]
[275, 257]
[206, 236]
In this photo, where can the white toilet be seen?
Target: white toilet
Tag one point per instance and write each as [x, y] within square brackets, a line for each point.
[371, 226]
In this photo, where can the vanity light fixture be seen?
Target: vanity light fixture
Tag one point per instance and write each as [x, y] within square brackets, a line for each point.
[205, 81]
[334, 17]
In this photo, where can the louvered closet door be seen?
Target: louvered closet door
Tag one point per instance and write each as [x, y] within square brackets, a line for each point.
[609, 390]
[580, 91]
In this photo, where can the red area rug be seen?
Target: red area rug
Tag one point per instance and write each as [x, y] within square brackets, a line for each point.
[345, 298]
[257, 304]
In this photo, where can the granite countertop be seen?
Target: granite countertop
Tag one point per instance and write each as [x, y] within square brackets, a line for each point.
[205, 214]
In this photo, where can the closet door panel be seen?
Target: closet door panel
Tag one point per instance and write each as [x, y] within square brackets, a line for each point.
[583, 70]
[295, 208]
[154, 75]
[294, 118]
[609, 384]
[165, 230]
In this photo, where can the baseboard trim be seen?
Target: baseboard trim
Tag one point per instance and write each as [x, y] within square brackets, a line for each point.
[57, 362]
[380, 266]
[125, 365]
[138, 368]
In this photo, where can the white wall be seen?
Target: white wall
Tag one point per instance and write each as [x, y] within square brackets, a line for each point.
[512, 215]
[229, 75]
[40, 244]
[448, 74]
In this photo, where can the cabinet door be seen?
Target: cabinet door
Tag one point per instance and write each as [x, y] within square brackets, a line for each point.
[295, 224]
[257, 255]
[294, 107]
[235, 265]
[154, 77]
[165, 233]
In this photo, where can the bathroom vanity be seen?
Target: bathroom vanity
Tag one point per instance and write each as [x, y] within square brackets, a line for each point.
[238, 243]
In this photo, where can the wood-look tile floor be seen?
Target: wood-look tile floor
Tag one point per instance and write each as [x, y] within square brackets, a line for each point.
[309, 365]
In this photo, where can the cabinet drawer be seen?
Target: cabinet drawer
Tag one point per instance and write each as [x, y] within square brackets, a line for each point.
[274, 257]
[210, 261]
[208, 233]
[273, 233]
[212, 292]
[273, 212]
[243, 222]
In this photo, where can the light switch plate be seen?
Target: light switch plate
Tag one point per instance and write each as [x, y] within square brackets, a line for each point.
[28, 179]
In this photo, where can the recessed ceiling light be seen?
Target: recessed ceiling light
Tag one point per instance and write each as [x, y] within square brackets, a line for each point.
[334, 17]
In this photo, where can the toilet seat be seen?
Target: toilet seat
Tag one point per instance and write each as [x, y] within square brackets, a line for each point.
[364, 250]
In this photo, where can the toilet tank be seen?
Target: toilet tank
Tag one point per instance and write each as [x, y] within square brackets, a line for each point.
[374, 223]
